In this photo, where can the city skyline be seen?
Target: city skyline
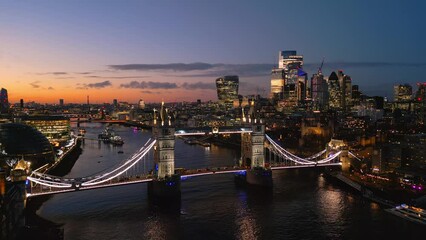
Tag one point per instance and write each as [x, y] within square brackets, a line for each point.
[166, 50]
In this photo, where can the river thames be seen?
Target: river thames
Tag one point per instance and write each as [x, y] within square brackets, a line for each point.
[302, 204]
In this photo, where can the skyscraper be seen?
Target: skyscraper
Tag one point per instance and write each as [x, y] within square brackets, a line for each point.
[289, 81]
[277, 83]
[227, 89]
[61, 102]
[421, 92]
[334, 91]
[340, 91]
[141, 104]
[4, 100]
[289, 60]
[345, 82]
[319, 91]
[356, 95]
[302, 80]
[421, 100]
[402, 93]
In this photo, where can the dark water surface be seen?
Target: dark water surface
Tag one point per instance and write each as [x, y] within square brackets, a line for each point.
[302, 204]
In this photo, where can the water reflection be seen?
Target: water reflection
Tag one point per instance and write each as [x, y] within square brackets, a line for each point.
[304, 205]
[374, 206]
[154, 229]
[160, 225]
[330, 206]
[244, 220]
[321, 181]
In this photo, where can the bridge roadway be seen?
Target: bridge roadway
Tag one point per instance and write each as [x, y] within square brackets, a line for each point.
[185, 174]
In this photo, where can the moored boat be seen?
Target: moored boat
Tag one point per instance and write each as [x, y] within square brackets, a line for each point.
[109, 136]
[410, 213]
[116, 140]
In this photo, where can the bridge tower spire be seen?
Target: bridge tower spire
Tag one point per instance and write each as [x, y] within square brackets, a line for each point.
[335, 146]
[253, 153]
[165, 182]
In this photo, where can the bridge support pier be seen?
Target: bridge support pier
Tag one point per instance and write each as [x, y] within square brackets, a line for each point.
[253, 156]
[12, 201]
[259, 177]
[167, 189]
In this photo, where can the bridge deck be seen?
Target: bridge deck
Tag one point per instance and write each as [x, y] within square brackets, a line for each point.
[42, 190]
[39, 191]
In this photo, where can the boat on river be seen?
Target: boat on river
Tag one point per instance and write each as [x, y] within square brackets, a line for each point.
[410, 213]
[116, 140]
[109, 136]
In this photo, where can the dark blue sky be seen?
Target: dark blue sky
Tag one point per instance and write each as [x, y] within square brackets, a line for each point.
[378, 43]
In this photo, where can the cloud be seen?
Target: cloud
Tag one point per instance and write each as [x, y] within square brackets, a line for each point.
[200, 69]
[149, 92]
[198, 85]
[178, 67]
[339, 65]
[119, 77]
[167, 85]
[149, 85]
[53, 73]
[84, 73]
[245, 70]
[98, 85]
[35, 84]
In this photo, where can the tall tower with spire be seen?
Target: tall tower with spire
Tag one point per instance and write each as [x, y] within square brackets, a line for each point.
[165, 184]
[164, 155]
[252, 151]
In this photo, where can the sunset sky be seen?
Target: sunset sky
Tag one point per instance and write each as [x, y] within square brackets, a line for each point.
[174, 50]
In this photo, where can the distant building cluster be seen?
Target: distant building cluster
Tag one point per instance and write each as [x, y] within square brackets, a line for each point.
[289, 81]
[290, 88]
[291, 92]
[304, 113]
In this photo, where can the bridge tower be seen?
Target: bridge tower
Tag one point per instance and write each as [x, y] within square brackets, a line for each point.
[165, 184]
[253, 152]
[335, 146]
[13, 199]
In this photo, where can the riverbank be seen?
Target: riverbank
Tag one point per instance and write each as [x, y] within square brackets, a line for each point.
[35, 226]
[64, 165]
[302, 205]
[365, 192]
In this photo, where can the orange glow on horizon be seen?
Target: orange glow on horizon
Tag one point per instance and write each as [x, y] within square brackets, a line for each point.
[49, 89]
[106, 95]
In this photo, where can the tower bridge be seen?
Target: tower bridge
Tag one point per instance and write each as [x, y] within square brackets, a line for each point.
[164, 180]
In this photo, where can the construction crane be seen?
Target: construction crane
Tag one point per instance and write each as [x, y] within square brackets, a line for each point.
[320, 68]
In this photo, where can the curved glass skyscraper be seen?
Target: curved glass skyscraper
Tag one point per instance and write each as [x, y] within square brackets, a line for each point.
[227, 89]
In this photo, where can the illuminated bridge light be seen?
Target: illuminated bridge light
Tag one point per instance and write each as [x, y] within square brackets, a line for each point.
[113, 177]
[183, 178]
[298, 160]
